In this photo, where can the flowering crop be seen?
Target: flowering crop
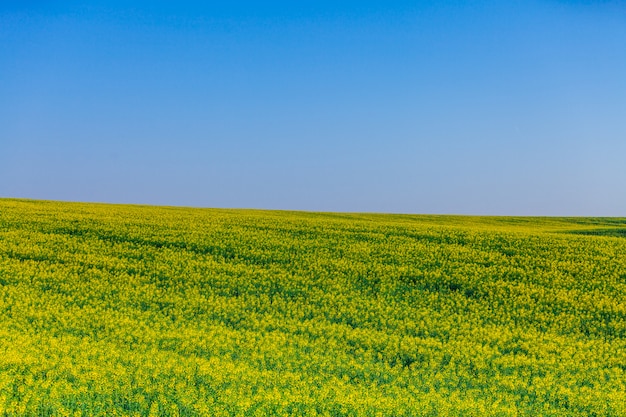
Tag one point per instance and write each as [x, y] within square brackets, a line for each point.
[110, 310]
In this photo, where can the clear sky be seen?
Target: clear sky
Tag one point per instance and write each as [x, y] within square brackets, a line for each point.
[477, 107]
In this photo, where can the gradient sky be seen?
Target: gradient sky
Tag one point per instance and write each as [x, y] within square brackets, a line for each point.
[477, 107]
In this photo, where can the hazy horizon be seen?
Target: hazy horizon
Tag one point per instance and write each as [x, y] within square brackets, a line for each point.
[477, 108]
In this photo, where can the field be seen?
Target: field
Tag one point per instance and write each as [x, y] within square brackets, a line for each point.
[110, 310]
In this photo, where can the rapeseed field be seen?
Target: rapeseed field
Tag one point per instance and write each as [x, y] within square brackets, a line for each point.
[111, 310]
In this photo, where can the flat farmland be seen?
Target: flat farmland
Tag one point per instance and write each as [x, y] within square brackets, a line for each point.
[114, 310]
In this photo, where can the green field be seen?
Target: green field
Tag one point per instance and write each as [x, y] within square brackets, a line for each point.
[112, 310]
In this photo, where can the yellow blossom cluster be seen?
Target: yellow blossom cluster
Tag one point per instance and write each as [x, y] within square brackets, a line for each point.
[111, 310]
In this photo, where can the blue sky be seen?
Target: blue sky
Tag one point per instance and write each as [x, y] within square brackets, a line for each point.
[481, 107]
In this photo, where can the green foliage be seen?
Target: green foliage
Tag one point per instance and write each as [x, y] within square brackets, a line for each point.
[110, 310]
